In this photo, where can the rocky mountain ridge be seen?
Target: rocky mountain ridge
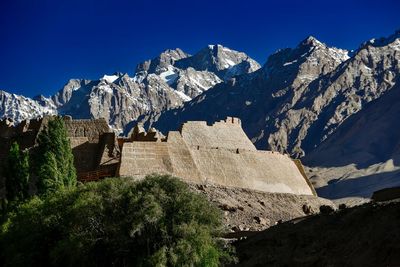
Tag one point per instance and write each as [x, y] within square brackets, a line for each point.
[17, 106]
[161, 83]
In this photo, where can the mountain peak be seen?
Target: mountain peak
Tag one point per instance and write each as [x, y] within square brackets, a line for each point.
[174, 54]
[383, 41]
[162, 61]
[217, 58]
[311, 41]
[110, 78]
[217, 47]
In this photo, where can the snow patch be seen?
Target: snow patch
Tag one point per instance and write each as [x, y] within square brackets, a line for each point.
[290, 63]
[106, 89]
[367, 68]
[230, 62]
[110, 78]
[169, 76]
[183, 96]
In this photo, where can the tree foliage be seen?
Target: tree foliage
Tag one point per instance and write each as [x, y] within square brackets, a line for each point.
[54, 160]
[116, 222]
[16, 172]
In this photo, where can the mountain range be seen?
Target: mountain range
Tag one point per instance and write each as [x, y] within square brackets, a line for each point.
[161, 83]
[335, 109]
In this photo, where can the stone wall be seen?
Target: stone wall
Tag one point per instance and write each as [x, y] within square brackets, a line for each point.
[85, 154]
[93, 145]
[198, 153]
[92, 129]
[222, 134]
[142, 158]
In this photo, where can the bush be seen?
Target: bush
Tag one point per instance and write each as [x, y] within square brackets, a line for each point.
[116, 222]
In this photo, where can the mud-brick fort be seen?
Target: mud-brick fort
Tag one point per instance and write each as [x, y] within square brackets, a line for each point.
[218, 154]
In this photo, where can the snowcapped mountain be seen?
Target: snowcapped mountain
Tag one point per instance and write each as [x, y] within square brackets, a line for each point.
[162, 83]
[262, 98]
[192, 75]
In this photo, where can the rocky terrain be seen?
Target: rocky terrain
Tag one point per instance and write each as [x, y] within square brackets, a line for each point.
[158, 84]
[251, 210]
[365, 235]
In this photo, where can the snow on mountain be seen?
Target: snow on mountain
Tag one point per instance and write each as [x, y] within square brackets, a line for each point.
[169, 76]
[219, 60]
[192, 75]
[18, 108]
[109, 78]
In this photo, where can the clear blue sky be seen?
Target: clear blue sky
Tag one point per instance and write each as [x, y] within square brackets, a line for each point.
[45, 43]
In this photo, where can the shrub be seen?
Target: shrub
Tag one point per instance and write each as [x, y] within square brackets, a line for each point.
[116, 222]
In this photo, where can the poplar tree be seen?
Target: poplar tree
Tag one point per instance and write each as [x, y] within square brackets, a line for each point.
[54, 159]
[17, 174]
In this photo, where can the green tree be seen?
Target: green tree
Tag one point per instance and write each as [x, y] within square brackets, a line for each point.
[17, 174]
[54, 159]
[116, 222]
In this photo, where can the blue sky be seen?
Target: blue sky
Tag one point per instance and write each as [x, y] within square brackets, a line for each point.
[45, 43]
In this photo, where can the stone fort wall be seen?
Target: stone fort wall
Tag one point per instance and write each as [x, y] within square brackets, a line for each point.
[217, 154]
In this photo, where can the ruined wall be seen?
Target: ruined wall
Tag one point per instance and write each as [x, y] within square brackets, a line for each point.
[198, 153]
[139, 134]
[92, 129]
[93, 145]
[224, 134]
